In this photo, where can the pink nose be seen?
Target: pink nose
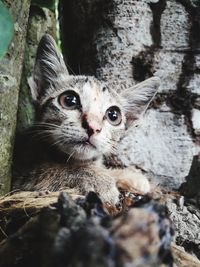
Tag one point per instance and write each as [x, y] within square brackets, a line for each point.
[91, 124]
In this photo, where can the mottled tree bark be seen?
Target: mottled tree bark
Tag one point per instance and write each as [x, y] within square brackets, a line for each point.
[41, 20]
[10, 74]
[125, 42]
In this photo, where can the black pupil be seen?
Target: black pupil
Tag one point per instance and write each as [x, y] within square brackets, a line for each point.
[71, 100]
[113, 114]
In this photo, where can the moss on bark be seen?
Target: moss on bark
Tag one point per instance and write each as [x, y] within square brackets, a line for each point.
[10, 73]
[41, 20]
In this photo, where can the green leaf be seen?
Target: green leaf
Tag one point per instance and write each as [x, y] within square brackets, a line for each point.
[6, 29]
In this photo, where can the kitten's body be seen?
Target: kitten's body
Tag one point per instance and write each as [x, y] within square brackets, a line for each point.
[84, 120]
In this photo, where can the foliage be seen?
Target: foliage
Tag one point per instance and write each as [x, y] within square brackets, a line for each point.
[6, 29]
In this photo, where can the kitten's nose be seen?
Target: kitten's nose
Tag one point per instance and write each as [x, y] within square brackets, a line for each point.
[91, 124]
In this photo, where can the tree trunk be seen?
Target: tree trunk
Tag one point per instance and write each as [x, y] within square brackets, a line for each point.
[122, 43]
[41, 20]
[125, 42]
[10, 73]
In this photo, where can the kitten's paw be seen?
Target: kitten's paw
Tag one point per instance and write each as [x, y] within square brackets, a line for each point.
[105, 188]
[129, 179]
[110, 195]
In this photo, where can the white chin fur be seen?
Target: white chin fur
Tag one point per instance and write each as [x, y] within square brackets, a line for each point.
[82, 153]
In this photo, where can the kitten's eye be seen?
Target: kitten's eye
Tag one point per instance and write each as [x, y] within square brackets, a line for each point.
[69, 100]
[113, 115]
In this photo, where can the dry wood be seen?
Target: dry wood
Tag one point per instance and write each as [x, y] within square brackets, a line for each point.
[29, 204]
[182, 258]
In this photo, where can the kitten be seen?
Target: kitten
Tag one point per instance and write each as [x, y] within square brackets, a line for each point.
[84, 120]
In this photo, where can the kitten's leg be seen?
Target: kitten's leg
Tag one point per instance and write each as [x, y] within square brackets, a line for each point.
[97, 179]
[130, 179]
[56, 177]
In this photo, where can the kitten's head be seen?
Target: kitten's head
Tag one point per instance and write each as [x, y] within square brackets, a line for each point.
[80, 115]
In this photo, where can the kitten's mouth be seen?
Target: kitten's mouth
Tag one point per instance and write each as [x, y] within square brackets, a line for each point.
[83, 149]
[85, 143]
[88, 143]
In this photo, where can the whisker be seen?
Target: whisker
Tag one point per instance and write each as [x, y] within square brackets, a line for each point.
[48, 125]
[106, 142]
[59, 141]
[70, 156]
[68, 66]
[65, 131]
[40, 136]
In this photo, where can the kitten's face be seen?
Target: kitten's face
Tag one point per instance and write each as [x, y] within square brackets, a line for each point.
[84, 118]
[78, 114]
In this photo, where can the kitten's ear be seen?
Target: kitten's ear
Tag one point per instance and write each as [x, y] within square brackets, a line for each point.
[49, 65]
[137, 98]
